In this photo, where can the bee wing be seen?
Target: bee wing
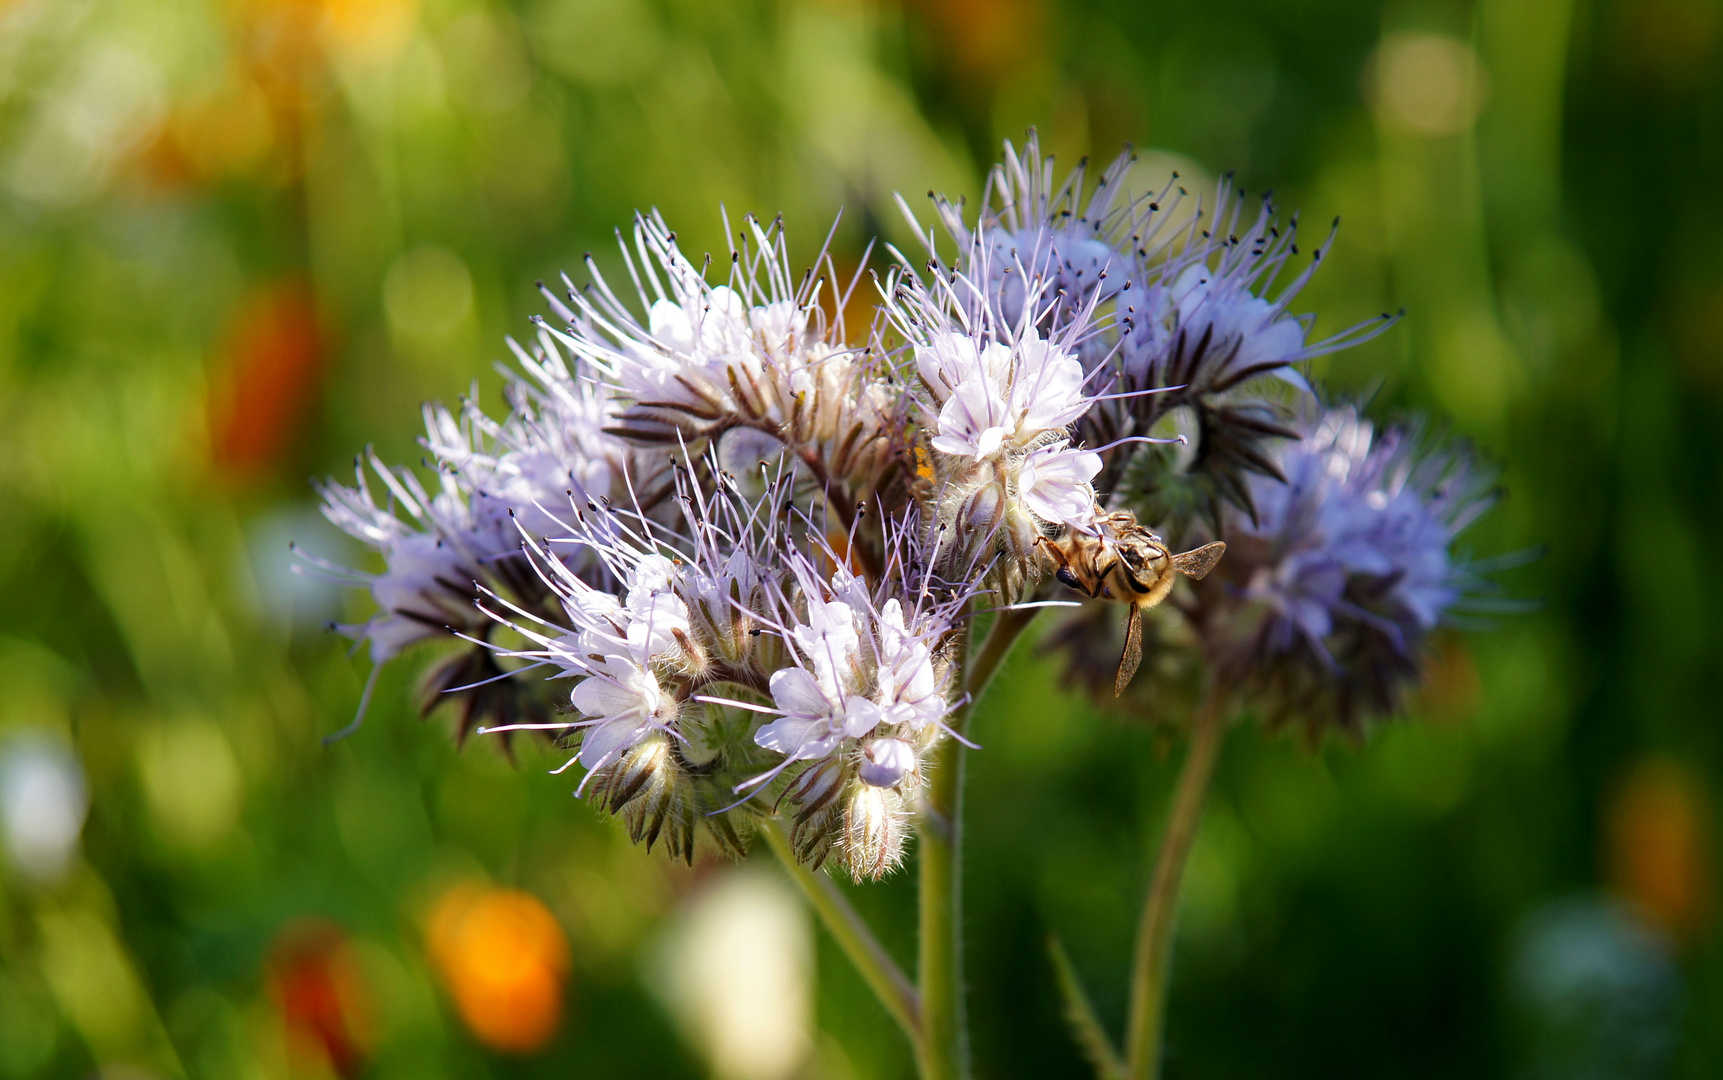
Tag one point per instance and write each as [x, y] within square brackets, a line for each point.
[1197, 563]
[1132, 657]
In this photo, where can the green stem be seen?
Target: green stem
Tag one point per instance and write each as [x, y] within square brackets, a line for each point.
[847, 927]
[944, 1050]
[1147, 1017]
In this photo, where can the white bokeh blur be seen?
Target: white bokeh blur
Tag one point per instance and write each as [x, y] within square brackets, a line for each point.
[736, 971]
[43, 802]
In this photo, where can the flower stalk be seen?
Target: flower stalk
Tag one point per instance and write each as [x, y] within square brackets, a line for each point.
[1150, 966]
[851, 932]
[944, 1051]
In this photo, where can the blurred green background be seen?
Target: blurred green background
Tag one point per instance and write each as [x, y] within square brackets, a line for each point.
[242, 239]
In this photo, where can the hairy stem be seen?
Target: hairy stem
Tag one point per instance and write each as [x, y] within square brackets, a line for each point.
[944, 1050]
[851, 932]
[1149, 968]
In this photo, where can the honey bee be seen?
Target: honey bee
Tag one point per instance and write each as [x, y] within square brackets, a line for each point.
[1127, 564]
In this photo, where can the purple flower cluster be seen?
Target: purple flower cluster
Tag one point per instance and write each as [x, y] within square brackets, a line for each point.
[726, 554]
[1332, 591]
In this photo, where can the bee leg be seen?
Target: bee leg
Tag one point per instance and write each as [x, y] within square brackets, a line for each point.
[1063, 571]
[1132, 657]
[1054, 553]
[1101, 578]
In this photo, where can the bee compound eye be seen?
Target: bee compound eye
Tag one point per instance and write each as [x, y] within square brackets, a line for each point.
[1066, 577]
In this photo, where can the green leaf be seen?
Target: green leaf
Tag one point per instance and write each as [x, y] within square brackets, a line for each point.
[1080, 1014]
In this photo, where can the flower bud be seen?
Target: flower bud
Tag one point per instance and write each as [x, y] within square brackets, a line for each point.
[981, 511]
[874, 830]
[814, 827]
[885, 762]
[647, 787]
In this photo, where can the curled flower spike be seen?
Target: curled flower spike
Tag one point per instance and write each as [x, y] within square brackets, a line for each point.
[1198, 322]
[1178, 319]
[678, 611]
[437, 558]
[431, 559]
[1333, 591]
[1045, 251]
[1322, 609]
[863, 707]
[759, 354]
[998, 403]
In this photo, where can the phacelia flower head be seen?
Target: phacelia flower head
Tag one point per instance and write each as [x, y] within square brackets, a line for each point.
[495, 480]
[997, 398]
[998, 405]
[439, 549]
[1333, 589]
[431, 557]
[1181, 313]
[860, 704]
[758, 353]
[675, 612]
[1044, 248]
[1201, 319]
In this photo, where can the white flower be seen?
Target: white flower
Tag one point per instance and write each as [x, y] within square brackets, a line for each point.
[812, 722]
[994, 397]
[886, 762]
[655, 620]
[906, 684]
[1046, 388]
[1054, 484]
[972, 422]
[950, 359]
[638, 630]
[623, 701]
[828, 639]
[691, 345]
[863, 666]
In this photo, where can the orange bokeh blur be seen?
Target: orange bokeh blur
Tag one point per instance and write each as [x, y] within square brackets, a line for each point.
[322, 998]
[266, 379]
[1451, 691]
[504, 957]
[986, 39]
[1659, 854]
